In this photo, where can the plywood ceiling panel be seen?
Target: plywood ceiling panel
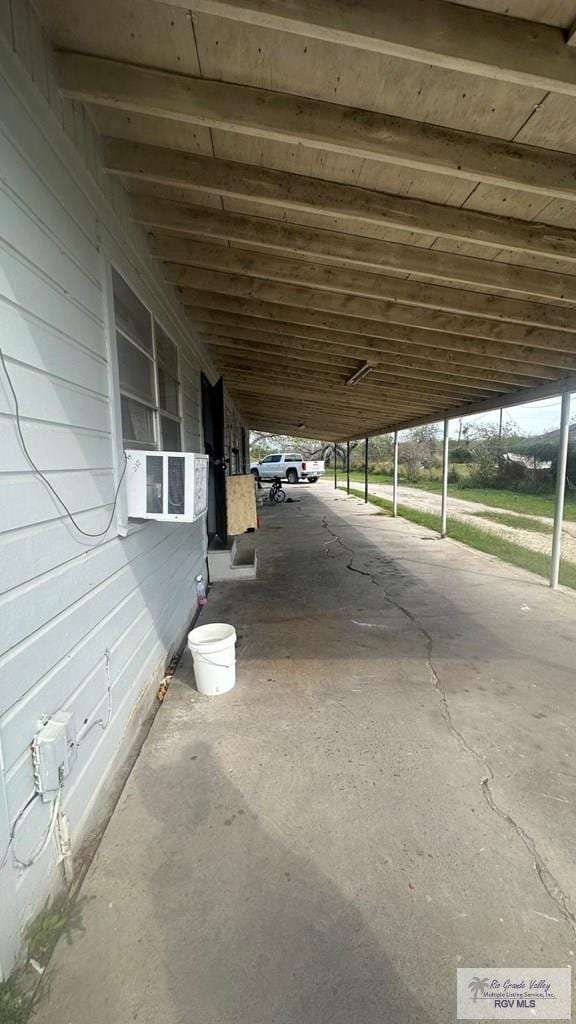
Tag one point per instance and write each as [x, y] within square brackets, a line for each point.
[327, 222]
[138, 31]
[486, 252]
[302, 256]
[537, 262]
[560, 212]
[251, 55]
[437, 188]
[152, 130]
[552, 125]
[561, 13]
[150, 188]
[506, 202]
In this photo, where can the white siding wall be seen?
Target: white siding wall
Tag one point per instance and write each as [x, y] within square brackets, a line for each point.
[67, 600]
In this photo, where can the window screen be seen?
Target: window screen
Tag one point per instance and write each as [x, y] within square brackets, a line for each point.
[131, 315]
[137, 424]
[148, 374]
[170, 430]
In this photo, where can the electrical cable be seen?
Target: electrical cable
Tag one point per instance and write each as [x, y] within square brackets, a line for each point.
[100, 721]
[25, 864]
[14, 829]
[45, 480]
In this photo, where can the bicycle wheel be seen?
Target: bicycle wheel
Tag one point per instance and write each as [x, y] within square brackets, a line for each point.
[279, 496]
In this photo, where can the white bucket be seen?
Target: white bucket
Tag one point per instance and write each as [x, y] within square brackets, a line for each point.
[214, 652]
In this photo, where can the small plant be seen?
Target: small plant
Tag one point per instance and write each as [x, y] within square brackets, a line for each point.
[61, 916]
[15, 1004]
[20, 992]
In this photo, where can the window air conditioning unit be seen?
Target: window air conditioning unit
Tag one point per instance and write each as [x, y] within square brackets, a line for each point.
[171, 486]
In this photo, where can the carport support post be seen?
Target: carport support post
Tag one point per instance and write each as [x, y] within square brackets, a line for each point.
[347, 467]
[395, 477]
[335, 469]
[366, 470]
[560, 488]
[444, 518]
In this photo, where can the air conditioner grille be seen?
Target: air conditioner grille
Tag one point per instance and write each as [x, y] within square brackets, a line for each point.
[176, 485]
[154, 489]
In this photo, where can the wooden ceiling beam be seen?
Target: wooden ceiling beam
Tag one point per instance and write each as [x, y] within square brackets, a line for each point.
[315, 124]
[272, 392]
[283, 293]
[256, 401]
[362, 345]
[403, 360]
[223, 348]
[378, 379]
[320, 429]
[431, 32]
[338, 247]
[310, 406]
[335, 396]
[352, 281]
[313, 195]
[316, 354]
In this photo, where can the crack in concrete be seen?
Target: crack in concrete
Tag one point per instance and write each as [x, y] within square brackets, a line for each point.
[550, 884]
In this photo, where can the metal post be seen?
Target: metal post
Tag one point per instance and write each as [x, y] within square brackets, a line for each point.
[366, 470]
[395, 477]
[444, 518]
[560, 488]
[347, 467]
[335, 468]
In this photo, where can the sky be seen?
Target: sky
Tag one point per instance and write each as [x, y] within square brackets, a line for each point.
[533, 418]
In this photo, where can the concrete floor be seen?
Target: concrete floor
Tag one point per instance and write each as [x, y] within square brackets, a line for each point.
[385, 796]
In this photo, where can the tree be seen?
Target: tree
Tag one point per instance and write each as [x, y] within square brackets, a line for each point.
[263, 443]
[418, 450]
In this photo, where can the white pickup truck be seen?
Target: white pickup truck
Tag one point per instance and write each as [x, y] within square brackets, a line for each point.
[288, 466]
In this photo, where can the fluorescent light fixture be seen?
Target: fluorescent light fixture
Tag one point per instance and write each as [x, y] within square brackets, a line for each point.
[362, 372]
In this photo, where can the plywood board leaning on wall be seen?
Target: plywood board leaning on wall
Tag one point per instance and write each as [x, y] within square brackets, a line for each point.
[240, 503]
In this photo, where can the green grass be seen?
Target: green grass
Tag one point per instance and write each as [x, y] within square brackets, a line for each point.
[474, 537]
[513, 501]
[518, 522]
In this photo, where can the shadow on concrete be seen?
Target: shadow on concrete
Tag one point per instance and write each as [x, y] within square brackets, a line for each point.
[251, 931]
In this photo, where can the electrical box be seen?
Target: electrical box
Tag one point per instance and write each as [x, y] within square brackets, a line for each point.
[54, 753]
[170, 486]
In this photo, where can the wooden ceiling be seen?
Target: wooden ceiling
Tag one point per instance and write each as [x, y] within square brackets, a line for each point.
[330, 184]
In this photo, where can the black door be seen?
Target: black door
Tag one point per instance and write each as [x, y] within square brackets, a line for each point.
[213, 425]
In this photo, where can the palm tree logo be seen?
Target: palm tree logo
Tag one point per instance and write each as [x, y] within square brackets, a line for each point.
[478, 985]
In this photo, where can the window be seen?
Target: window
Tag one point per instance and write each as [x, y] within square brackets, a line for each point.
[148, 372]
[272, 458]
[292, 458]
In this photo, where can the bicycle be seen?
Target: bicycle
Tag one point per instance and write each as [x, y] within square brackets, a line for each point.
[276, 494]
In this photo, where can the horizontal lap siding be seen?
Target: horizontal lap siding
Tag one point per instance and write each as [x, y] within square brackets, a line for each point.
[69, 603]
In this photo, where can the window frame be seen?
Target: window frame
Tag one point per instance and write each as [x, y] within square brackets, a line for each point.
[124, 392]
